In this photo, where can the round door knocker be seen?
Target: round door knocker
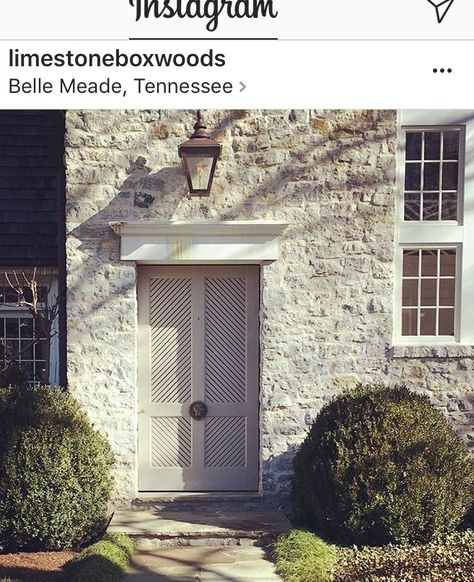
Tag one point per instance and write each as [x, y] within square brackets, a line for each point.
[198, 410]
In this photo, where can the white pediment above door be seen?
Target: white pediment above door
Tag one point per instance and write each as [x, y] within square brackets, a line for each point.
[199, 242]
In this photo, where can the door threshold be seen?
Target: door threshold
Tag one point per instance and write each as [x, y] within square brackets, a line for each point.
[166, 496]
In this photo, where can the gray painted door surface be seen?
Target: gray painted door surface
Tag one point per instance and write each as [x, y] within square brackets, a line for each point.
[198, 341]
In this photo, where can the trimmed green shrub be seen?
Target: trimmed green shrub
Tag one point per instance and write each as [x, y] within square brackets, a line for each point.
[104, 561]
[55, 471]
[303, 557]
[382, 465]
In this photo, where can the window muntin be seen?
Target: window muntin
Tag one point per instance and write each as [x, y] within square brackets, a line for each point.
[428, 292]
[19, 341]
[432, 174]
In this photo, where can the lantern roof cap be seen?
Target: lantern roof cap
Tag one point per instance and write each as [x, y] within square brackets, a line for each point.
[200, 128]
[200, 139]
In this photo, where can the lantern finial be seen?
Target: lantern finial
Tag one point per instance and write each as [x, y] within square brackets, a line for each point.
[199, 127]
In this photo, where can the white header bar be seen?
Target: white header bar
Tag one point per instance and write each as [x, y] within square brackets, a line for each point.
[82, 55]
[284, 19]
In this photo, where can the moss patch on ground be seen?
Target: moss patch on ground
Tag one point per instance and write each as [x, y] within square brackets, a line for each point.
[303, 557]
[104, 561]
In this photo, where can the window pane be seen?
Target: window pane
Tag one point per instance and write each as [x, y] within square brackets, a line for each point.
[26, 350]
[449, 208]
[26, 327]
[446, 292]
[12, 349]
[446, 322]
[428, 292]
[410, 292]
[40, 350]
[2, 327]
[12, 327]
[431, 176]
[413, 145]
[451, 145]
[410, 263]
[412, 206]
[431, 206]
[428, 322]
[432, 145]
[448, 263]
[410, 322]
[438, 154]
[413, 177]
[429, 296]
[429, 263]
[450, 176]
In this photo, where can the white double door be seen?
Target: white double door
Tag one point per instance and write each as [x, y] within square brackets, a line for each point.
[198, 343]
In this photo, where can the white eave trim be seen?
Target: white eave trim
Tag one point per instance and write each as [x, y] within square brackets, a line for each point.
[199, 242]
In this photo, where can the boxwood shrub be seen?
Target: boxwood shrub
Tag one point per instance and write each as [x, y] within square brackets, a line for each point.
[382, 465]
[55, 471]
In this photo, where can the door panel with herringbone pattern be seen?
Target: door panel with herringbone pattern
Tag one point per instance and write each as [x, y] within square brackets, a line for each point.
[198, 341]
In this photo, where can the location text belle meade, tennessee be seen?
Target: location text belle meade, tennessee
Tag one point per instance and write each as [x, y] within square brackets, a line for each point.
[40, 86]
[113, 59]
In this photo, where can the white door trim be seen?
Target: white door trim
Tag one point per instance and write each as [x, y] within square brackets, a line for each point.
[199, 242]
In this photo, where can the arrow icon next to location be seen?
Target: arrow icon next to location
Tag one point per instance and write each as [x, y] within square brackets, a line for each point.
[243, 86]
[442, 8]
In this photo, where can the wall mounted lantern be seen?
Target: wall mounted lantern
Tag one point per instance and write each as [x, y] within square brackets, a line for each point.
[199, 156]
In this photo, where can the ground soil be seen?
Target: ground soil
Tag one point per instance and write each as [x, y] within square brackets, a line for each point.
[35, 567]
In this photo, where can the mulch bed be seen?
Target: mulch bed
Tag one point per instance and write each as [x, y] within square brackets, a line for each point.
[448, 560]
[35, 567]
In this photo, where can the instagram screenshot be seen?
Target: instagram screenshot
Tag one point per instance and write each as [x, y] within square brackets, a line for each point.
[236, 291]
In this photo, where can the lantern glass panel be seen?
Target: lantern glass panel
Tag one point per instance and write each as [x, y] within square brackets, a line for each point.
[200, 169]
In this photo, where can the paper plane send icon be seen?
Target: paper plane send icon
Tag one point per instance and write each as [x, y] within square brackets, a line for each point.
[442, 8]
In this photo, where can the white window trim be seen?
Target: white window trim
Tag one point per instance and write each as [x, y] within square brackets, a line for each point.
[461, 177]
[439, 234]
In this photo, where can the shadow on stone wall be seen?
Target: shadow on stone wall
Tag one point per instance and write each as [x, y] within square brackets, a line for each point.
[330, 174]
[310, 173]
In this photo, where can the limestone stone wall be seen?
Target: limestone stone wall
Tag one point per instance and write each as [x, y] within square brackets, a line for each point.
[327, 304]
